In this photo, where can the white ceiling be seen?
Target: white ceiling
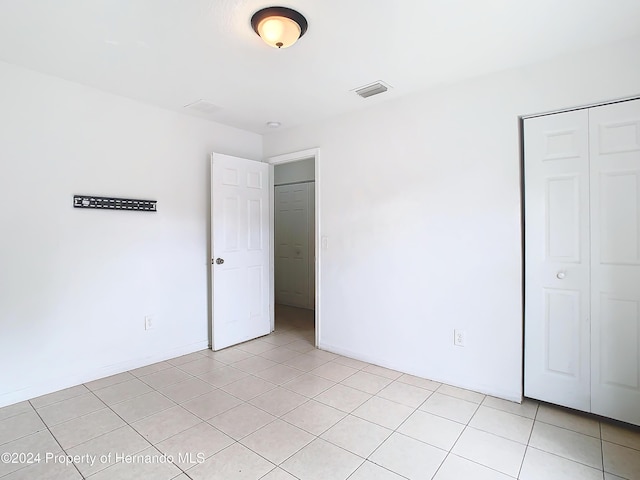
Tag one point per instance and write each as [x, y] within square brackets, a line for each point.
[173, 52]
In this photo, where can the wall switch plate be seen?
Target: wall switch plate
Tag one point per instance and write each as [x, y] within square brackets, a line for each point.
[459, 338]
[325, 242]
[148, 322]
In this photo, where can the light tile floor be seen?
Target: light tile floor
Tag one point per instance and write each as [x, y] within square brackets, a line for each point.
[276, 408]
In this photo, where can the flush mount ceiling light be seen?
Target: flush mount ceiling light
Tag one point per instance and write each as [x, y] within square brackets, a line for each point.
[279, 27]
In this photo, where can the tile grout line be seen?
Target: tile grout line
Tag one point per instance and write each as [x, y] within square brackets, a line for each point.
[150, 444]
[109, 407]
[376, 395]
[528, 440]
[106, 433]
[126, 423]
[602, 450]
[202, 420]
[25, 436]
[569, 430]
[247, 402]
[280, 417]
[56, 438]
[400, 433]
[307, 400]
[564, 458]
[466, 425]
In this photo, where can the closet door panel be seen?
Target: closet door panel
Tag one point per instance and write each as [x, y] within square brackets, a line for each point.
[557, 333]
[615, 260]
[292, 245]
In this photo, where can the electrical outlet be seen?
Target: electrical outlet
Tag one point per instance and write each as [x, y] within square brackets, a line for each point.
[459, 338]
[148, 322]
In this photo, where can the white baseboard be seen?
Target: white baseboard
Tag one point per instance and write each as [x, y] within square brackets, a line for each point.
[53, 385]
[511, 396]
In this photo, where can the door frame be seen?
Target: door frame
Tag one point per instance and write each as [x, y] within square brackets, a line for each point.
[278, 160]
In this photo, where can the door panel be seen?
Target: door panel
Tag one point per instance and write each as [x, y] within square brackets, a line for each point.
[619, 213]
[563, 219]
[557, 335]
[293, 218]
[562, 318]
[231, 221]
[620, 328]
[615, 260]
[240, 237]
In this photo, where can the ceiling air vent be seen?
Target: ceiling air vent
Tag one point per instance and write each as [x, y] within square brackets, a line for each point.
[372, 89]
[203, 106]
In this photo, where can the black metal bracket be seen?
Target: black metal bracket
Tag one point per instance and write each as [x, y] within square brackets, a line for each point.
[112, 203]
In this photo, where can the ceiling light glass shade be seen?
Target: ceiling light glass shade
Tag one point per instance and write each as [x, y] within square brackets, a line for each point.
[279, 32]
[279, 27]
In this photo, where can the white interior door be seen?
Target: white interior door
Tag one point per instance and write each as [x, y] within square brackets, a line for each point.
[293, 257]
[615, 260]
[240, 249]
[557, 305]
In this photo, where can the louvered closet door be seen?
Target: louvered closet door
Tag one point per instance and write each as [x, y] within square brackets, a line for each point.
[615, 260]
[557, 331]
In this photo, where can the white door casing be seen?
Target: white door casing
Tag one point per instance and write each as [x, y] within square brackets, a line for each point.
[317, 230]
[615, 260]
[294, 244]
[312, 245]
[557, 304]
[240, 236]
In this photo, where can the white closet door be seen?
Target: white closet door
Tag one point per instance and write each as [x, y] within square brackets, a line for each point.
[292, 218]
[615, 260]
[557, 332]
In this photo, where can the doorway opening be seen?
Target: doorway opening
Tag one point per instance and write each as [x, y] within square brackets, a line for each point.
[295, 259]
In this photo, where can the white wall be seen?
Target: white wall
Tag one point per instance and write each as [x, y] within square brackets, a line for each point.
[76, 284]
[421, 208]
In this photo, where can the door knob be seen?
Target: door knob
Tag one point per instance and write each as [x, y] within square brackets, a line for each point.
[219, 261]
[560, 275]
